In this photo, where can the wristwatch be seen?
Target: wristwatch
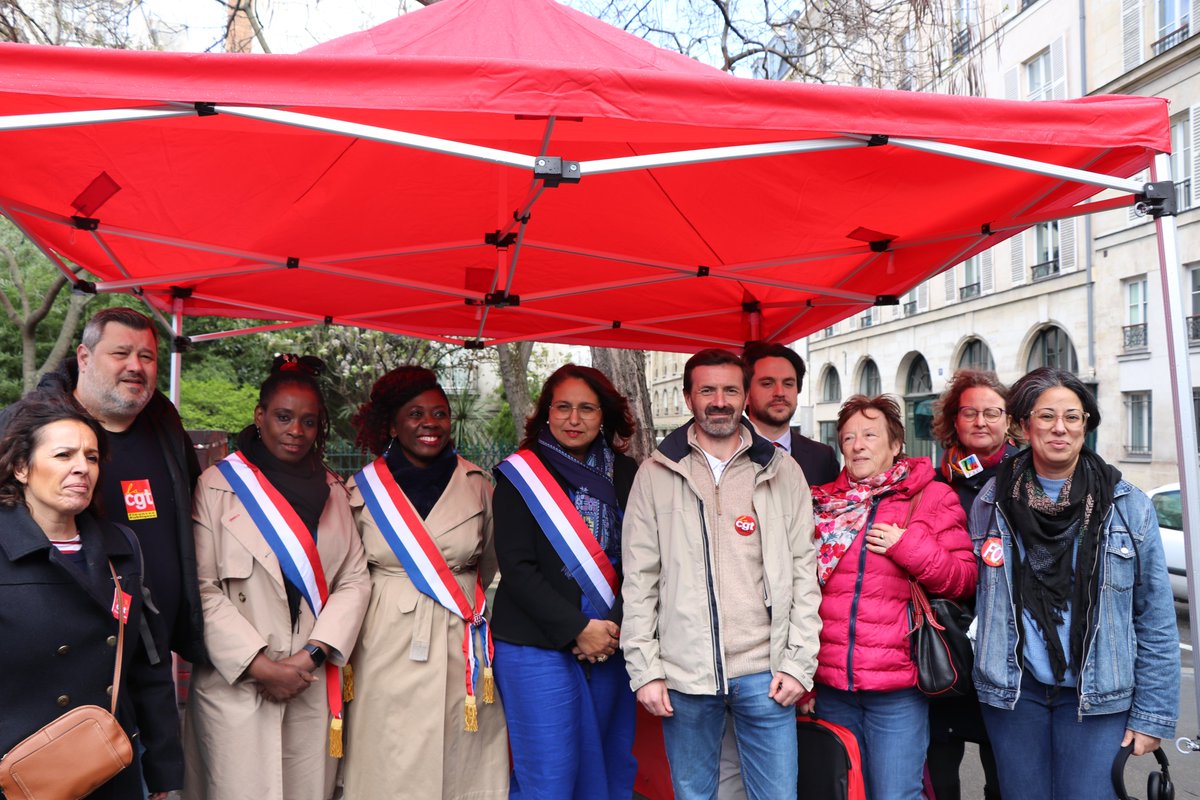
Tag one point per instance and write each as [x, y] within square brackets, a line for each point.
[316, 653]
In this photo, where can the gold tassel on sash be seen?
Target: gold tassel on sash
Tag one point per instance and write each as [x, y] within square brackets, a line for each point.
[489, 685]
[347, 683]
[335, 738]
[471, 714]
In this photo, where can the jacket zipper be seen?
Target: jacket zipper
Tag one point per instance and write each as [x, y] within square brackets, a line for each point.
[858, 581]
[718, 671]
[1090, 637]
[1018, 624]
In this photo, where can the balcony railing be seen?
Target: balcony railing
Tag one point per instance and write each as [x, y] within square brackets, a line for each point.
[1183, 194]
[1135, 336]
[968, 291]
[910, 308]
[1193, 329]
[1171, 39]
[829, 331]
[961, 41]
[1138, 450]
[1046, 269]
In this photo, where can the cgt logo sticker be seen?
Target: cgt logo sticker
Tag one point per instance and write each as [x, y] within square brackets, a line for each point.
[745, 525]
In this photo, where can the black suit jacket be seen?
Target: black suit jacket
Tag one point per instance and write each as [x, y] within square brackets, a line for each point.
[817, 461]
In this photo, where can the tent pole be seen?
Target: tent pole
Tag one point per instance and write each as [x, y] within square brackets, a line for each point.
[176, 355]
[61, 119]
[1170, 269]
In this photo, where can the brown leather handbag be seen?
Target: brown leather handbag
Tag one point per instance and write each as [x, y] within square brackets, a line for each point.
[75, 754]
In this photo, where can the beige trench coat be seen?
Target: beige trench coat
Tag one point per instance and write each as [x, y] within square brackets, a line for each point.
[240, 745]
[405, 736]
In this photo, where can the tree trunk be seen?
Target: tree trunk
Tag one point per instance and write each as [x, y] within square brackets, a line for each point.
[514, 372]
[627, 370]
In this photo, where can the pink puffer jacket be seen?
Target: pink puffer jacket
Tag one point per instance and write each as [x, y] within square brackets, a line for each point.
[864, 631]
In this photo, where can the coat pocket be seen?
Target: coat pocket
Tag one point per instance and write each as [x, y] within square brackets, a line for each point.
[236, 562]
[1120, 561]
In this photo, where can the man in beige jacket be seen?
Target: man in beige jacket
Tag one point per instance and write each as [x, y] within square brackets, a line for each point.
[720, 590]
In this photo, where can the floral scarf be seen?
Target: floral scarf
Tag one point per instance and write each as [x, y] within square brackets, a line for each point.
[840, 515]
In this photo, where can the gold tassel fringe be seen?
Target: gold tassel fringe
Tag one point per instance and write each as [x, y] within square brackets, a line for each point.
[347, 683]
[471, 714]
[489, 685]
[335, 738]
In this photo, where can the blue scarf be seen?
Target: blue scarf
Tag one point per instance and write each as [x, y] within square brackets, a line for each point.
[590, 487]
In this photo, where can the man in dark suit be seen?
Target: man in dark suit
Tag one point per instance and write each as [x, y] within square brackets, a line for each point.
[778, 376]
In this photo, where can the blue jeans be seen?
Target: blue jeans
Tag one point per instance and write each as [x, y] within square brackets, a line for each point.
[570, 725]
[766, 740]
[892, 729]
[1043, 749]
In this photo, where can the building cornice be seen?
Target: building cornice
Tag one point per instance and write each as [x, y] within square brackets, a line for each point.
[1153, 69]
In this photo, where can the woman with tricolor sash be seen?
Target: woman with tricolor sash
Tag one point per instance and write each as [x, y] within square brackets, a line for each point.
[426, 721]
[559, 504]
[284, 586]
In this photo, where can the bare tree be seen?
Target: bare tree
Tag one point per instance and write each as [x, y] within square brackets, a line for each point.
[627, 370]
[92, 23]
[514, 373]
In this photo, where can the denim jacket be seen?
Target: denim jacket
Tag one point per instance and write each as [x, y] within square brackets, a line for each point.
[1126, 667]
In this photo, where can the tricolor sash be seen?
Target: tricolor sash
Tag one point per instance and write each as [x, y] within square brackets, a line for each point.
[405, 533]
[564, 526]
[296, 550]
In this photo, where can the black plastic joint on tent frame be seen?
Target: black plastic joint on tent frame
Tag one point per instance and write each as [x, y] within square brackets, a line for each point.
[501, 299]
[85, 223]
[877, 140]
[293, 262]
[887, 300]
[494, 239]
[752, 307]
[1158, 199]
[616, 324]
[881, 245]
[180, 344]
[206, 109]
[473, 344]
[83, 287]
[552, 170]
[702, 272]
[986, 229]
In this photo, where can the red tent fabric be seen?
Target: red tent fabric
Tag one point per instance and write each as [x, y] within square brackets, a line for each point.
[399, 219]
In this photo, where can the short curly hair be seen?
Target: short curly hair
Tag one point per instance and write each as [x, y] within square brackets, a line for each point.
[945, 408]
[373, 419]
[883, 405]
[28, 416]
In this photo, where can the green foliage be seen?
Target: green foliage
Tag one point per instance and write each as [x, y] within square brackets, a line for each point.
[213, 403]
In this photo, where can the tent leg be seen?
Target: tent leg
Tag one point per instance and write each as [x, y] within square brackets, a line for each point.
[176, 355]
[1171, 270]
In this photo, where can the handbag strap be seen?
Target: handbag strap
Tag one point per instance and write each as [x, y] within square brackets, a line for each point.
[922, 610]
[121, 611]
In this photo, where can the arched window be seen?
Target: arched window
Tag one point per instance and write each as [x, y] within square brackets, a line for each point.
[918, 403]
[1052, 348]
[868, 380]
[675, 402]
[976, 355]
[831, 386]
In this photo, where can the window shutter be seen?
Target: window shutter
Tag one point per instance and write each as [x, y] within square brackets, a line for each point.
[1012, 84]
[1131, 33]
[987, 280]
[1017, 243]
[923, 297]
[1066, 245]
[1194, 167]
[1058, 69]
[948, 279]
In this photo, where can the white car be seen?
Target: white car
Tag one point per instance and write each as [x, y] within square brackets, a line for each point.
[1170, 522]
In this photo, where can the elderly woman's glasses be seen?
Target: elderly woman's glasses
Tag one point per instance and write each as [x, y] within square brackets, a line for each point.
[1072, 420]
[991, 414]
[585, 410]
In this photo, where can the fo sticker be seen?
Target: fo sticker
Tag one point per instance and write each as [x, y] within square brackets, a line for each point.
[993, 552]
[745, 525]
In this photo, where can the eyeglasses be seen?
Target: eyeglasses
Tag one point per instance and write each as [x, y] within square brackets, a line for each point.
[991, 414]
[1072, 420]
[585, 410]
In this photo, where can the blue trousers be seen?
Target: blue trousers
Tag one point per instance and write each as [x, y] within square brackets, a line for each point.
[1043, 749]
[892, 729]
[765, 733]
[570, 725]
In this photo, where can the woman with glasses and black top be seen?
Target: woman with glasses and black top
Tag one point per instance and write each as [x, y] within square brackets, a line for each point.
[972, 424]
[1076, 647]
[559, 504]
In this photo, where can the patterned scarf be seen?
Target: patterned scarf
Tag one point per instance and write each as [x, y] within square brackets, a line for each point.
[590, 487]
[841, 514]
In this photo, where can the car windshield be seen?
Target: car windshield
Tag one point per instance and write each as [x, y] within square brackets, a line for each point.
[1168, 509]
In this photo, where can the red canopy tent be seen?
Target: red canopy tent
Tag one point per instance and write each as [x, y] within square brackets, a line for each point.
[486, 171]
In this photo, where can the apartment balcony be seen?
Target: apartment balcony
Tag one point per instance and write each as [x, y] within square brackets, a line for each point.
[1135, 337]
[968, 291]
[1183, 194]
[1171, 39]
[1044, 270]
[866, 320]
[961, 41]
[1193, 329]
[1138, 450]
[910, 308]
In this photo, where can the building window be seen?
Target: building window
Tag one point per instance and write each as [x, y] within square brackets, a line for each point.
[970, 287]
[1193, 320]
[1052, 348]
[1173, 24]
[1135, 315]
[1196, 414]
[1046, 252]
[918, 402]
[910, 303]
[827, 432]
[1038, 80]
[868, 382]
[831, 387]
[1138, 429]
[1181, 159]
[976, 355]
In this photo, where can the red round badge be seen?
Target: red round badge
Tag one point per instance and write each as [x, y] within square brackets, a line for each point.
[745, 525]
[992, 552]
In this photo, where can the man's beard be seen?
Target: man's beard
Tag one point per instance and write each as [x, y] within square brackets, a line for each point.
[719, 429]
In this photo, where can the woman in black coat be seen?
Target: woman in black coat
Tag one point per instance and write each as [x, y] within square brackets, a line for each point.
[57, 597]
[560, 673]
